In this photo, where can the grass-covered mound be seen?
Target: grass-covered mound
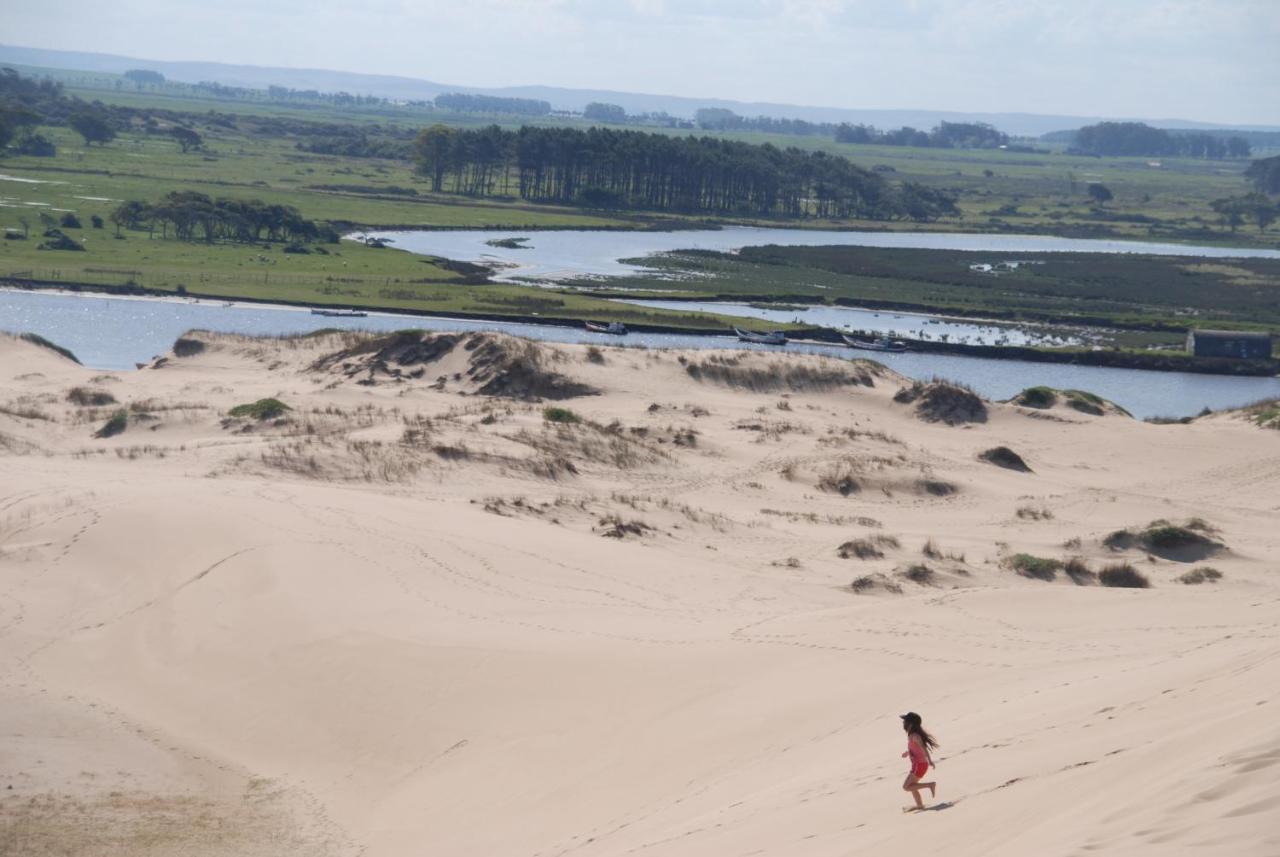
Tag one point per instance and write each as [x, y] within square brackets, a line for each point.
[1188, 541]
[748, 372]
[37, 339]
[1265, 414]
[497, 365]
[1003, 456]
[263, 409]
[944, 402]
[1043, 398]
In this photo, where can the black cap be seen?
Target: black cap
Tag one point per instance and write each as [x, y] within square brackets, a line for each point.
[911, 717]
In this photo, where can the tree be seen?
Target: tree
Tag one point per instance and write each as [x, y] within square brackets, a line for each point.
[142, 77]
[93, 125]
[1264, 175]
[1230, 210]
[13, 118]
[1259, 207]
[600, 112]
[1099, 193]
[186, 138]
[434, 149]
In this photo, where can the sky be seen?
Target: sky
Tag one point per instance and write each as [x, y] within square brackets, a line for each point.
[1207, 60]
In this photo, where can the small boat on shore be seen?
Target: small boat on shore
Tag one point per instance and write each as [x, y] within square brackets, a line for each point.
[874, 344]
[617, 328]
[340, 313]
[773, 337]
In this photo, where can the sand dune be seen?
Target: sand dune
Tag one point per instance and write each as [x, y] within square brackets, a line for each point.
[408, 616]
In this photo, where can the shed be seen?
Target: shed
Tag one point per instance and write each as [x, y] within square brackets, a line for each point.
[1239, 344]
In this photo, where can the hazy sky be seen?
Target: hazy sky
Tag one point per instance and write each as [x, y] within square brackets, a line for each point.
[1212, 60]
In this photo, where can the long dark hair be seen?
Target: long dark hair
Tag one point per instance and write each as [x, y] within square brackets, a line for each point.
[914, 727]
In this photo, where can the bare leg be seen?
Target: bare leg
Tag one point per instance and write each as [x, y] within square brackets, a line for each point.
[932, 787]
[912, 784]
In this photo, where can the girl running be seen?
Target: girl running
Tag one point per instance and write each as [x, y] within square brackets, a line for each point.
[919, 743]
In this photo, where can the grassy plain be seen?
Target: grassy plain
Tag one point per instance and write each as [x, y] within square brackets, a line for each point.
[998, 191]
[1161, 294]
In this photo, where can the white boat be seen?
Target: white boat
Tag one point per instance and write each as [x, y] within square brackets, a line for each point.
[340, 313]
[617, 328]
[773, 337]
[874, 344]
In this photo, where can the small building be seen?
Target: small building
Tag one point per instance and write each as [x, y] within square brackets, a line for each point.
[1239, 344]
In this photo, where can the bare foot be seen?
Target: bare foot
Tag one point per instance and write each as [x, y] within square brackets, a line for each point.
[933, 789]
[912, 808]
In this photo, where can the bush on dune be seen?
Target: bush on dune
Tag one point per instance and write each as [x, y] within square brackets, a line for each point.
[263, 409]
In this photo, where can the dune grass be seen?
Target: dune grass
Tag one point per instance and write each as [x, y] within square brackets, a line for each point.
[262, 409]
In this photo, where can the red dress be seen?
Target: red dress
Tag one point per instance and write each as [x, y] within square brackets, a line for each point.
[919, 760]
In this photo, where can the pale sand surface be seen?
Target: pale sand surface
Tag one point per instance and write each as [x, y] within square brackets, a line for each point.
[391, 624]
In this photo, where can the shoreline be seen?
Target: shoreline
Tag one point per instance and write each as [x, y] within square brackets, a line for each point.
[812, 335]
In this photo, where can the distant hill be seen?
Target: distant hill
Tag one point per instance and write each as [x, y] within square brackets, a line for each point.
[389, 86]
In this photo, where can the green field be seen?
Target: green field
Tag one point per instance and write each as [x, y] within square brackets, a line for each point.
[253, 156]
[1152, 297]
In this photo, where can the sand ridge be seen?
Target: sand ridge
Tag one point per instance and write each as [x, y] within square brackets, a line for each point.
[405, 617]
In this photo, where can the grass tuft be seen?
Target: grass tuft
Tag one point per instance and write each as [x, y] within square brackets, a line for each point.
[1203, 574]
[263, 409]
[87, 397]
[1123, 575]
[560, 415]
[1037, 568]
[115, 425]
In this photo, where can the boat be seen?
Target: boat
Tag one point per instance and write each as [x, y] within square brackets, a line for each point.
[773, 337]
[874, 344]
[617, 328]
[340, 313]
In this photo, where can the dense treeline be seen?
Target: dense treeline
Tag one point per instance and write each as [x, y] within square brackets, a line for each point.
[609, 168]
[192, 215]
[467, 103]
[1141, 140]
[945, 135]
[723, 119]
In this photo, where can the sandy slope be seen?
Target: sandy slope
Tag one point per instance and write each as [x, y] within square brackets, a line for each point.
[392, 624]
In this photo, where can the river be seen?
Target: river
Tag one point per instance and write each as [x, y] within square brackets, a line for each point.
[559, 254]
[114, 333]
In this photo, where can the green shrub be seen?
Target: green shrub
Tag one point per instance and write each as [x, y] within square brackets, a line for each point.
[1036, 567]
[118, 422]
[263, 409]
[560, 415]
[1123, 575]
[1037, 397]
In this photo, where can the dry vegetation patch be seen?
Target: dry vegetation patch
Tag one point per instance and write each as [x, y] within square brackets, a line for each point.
[747, 372]
[1203, 574]
[870, 547]
[497, 365]
[1123, 575]
[943, 401]
[877, 582]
